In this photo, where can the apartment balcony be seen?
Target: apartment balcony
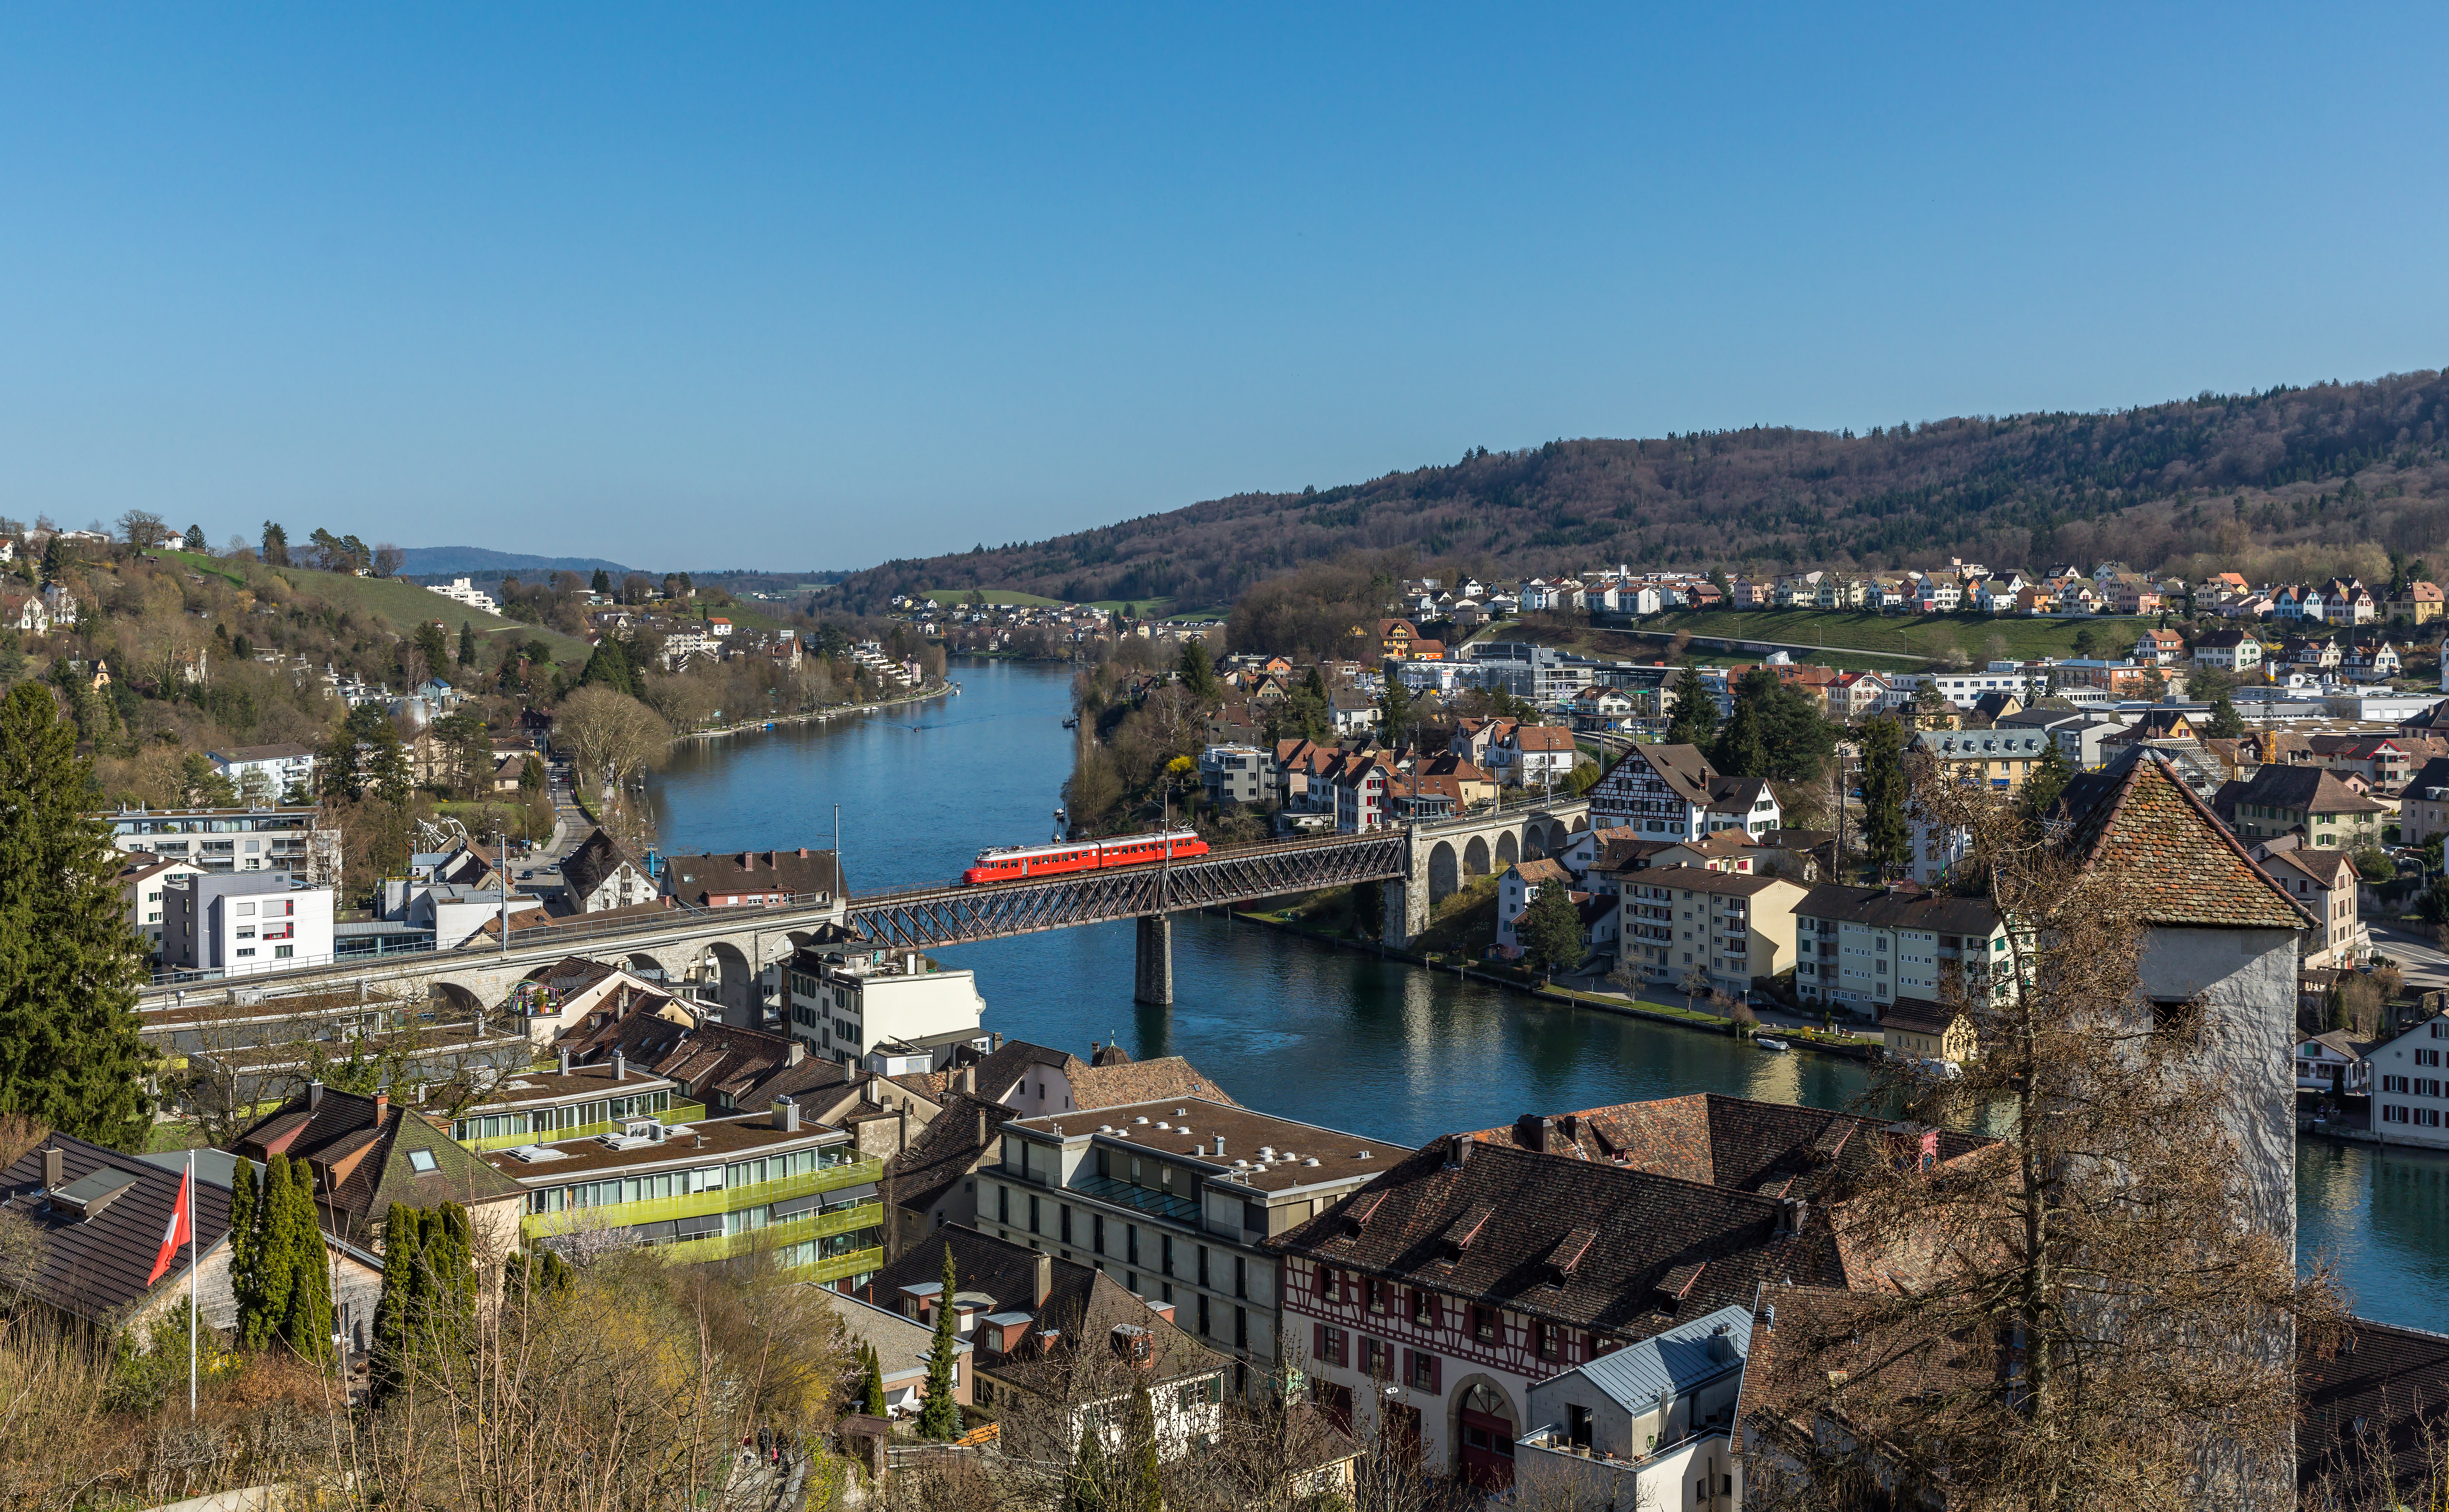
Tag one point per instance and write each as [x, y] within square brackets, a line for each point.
[790, 1230]
[677, 1112]
[726, 1200]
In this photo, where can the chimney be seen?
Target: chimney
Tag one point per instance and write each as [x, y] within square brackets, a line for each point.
[1219, 1142]
[563, 1059]
[982, 1127]
[382, 1107]
[969, 1078]
[314, 1095]
[786, 1116]
[798, 1052]
[1043, 1280]
[1459, 1147]
[620, 1066]
[54, 1168]
[1547, 1135]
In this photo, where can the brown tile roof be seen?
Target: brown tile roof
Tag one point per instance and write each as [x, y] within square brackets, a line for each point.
[692, 879]
[340, 1125]
[599, 857]
[1918, 1016]
[1897, 908]
[95, 1267]
[2150, 834]
[1724, 883]
[949, 1148]
[1542, 870]
[2393, 1382]
[1135, 1081]
[1484, 1230]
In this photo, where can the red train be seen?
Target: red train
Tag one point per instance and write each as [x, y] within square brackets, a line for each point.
[1020, 862]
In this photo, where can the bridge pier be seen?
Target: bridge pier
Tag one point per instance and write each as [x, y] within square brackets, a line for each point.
[1404, 911]
[1152, 973]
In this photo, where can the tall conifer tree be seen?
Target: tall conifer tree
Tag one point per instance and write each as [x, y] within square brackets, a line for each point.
[69, 964]
[940, 1417]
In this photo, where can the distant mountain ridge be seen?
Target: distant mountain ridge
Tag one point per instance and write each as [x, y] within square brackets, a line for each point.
[2317, 471]
[428, 561]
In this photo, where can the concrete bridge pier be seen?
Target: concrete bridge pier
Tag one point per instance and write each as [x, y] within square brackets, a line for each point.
[1152, 974]
[1403, 912]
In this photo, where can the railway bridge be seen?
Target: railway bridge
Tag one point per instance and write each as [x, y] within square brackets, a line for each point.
[722, 951]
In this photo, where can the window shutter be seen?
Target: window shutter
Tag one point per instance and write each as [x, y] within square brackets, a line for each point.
[1343, 1347]
[1406, 1376]
[1437, 1375]
[1317, 1342]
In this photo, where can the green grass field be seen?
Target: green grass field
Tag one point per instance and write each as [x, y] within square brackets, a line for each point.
[1854, 639]
[405, 603]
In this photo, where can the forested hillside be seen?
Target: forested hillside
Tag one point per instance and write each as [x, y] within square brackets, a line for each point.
[2307, 470]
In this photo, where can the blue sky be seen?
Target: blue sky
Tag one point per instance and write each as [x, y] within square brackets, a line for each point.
[798, 287]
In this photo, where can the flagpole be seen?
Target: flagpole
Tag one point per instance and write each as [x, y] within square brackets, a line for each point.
[192, 1266]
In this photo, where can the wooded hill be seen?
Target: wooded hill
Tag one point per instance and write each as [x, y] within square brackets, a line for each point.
[2336, 468]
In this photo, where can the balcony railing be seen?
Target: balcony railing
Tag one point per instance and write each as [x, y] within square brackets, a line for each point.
[840, 1266]
[677, 1112]
[727, 1199]
[790, 1230]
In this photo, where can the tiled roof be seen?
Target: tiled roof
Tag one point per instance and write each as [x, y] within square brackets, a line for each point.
[948, 1148]
[1918, 1015]
[1486, 1229]
[1894, 908]
[692, 877]
[1542, 870]
[2392, 1382]
[95, 1267]
[340, 1125]
[596, 860]
[2147, 831]
[1136, 1081]
[1703, 880]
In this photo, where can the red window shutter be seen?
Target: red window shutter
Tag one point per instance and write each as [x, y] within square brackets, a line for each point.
[1343, 1347]
[1437, 1375]
[1318, 1345]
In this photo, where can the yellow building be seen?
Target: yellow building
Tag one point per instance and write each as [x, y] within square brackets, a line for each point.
[1732, 927]
[1917, 1029]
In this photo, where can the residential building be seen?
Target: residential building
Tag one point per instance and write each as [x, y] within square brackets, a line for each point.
[1672, 791]
[463, 592]
[1359, 786]
[1997, 758]
[1645, 1425]
[236, 923]
[1919, 1029]
[601, 874]
[904, 1349]
[267, 774]
[1534, 756]
[25, 612]
[2334, 1064]
[1435, 1299]
[92, 1220]
[2410, 1096]
[367, 1155]
[1351, 711]
[754, 878]
[845, 1002]
[142, 882]
[1518, 887]
[1176, 1200]
[2420, 603]
[1733, 928]
[1237, 774]
[2423, 804]
[2160, 647]
[2377, 663]
[569, 1102]
[2324, 884]
[2309, 801]
[1057, 1334]
[1864, 949]
[712, 1190]
[227, 839]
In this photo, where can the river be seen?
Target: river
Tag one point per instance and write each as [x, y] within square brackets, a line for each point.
[1321, 1035]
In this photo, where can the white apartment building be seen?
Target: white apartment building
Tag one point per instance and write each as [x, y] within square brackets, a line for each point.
[266, 774]
[2409, 1097]
[463, 592]
[142, 882]
[845, 1004]
[240, 923]
[1860, 949]
[232, 840]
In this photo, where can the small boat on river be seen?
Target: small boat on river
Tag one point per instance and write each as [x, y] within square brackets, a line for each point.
[1767, 1043]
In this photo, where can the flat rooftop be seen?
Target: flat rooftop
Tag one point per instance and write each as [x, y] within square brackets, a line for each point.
[1256, 1149]
[528, 1089]
[710, 1142]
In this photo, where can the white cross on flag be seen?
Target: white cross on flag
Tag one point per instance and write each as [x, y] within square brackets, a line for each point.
[182, 1226]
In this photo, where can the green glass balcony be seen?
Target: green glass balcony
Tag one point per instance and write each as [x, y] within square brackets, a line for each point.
[840, 1266]
[677, 1112]
[730, 1200]
[790, 1230]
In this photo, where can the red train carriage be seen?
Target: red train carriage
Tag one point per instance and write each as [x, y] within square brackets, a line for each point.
[1022, 862]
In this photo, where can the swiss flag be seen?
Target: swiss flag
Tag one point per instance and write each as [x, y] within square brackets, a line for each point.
[182, 1226]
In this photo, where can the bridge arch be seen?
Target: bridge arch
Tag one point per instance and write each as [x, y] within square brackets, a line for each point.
[735, 984]
[647, 964]
[1443, 881]
[1474, 856]
[453, 997]
[1507, 852]
[1581, 821]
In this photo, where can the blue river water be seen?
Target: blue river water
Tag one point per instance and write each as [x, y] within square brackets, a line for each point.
[1389, 1051]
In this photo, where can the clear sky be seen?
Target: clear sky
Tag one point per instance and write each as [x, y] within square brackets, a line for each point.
[793, 287]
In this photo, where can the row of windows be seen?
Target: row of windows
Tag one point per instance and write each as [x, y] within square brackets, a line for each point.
[1427, 1310]
[1210, 1271]
[2426, 1118]
[2413, 1086]
[544, 1120]
[683, 1183]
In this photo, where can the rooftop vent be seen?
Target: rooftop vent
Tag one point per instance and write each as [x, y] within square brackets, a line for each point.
[1141, 1119]
[88, 1195]
[1312, 1161]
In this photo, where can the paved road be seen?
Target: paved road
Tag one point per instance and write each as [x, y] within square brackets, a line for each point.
[2418, 957]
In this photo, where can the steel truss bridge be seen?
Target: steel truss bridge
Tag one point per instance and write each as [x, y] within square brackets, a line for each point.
[920, 917]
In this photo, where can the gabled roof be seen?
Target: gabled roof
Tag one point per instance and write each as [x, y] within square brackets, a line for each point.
[947, 1149]
[1485, 1228]
[2313, 790]
[368, 1147]
[693, 878]
[2142, 827]
[2390, 1382]
[593, 862]
[95, 1267]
